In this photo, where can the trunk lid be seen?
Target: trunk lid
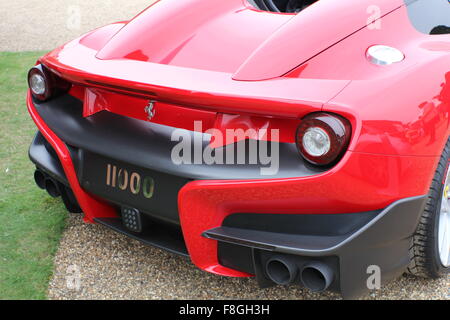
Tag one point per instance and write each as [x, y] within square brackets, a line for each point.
[213, 35]
[233, 37]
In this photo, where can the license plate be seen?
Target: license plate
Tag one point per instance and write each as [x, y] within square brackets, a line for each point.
[147, 190]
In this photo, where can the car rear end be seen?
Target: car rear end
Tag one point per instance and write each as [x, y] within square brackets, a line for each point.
[140, 147]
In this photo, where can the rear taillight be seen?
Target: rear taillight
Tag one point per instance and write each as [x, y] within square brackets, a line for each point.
[322, 138]
[45, 84]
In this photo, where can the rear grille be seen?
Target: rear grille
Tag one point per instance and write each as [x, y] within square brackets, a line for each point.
[157, 234]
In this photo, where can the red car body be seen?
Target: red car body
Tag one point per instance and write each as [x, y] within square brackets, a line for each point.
[232, 65]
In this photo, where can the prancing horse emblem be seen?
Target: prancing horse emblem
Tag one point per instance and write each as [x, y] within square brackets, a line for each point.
[150, 110]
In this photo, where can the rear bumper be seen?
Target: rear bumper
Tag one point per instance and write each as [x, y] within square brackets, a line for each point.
[356, 243]
[354, 192]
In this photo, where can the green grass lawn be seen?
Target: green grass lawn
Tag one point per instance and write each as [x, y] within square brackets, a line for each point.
[30, 221]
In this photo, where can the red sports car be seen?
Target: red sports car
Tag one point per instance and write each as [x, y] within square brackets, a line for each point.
[298, 141]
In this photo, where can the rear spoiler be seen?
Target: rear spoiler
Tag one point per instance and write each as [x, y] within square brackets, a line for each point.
[210, 90]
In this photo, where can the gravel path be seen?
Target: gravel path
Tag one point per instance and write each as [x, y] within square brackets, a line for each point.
[28, 25]
[112, 266]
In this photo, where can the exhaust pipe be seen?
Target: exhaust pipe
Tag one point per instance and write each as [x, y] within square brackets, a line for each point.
[56, 189]
[39, 178]
[52, 188]
[44, 181]
[69, 199]
[281, 270]
[317, 276]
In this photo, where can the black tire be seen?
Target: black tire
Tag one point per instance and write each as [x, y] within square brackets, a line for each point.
[425, 259]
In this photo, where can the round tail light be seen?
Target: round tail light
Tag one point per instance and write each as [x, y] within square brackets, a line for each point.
[45, 84]
[322, 138]
[39, 83]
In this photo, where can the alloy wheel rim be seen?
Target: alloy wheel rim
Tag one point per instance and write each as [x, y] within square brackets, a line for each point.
[444, 223]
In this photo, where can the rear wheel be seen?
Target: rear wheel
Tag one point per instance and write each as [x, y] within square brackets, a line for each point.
[430, 250]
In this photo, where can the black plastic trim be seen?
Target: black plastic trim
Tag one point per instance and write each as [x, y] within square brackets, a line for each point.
[384, 241]
[157, 235]
[149, 145]
[40, 153]
[277, 242]
[162, 205]
[305, 224]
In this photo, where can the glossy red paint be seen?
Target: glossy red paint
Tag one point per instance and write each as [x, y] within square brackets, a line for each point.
[378, 179]
[174, 32]
[96, 100]
[92, 207]
[391, 116]
[399, 113]
[215, 91]
[313, 26]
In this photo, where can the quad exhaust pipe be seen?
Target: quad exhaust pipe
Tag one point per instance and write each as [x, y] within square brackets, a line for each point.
[316, 276]
[281, 270]
[45, 182]
[56, 189]
[51, 186]
[39, 178]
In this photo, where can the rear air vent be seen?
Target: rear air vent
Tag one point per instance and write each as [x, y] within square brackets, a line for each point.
[287, 6]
